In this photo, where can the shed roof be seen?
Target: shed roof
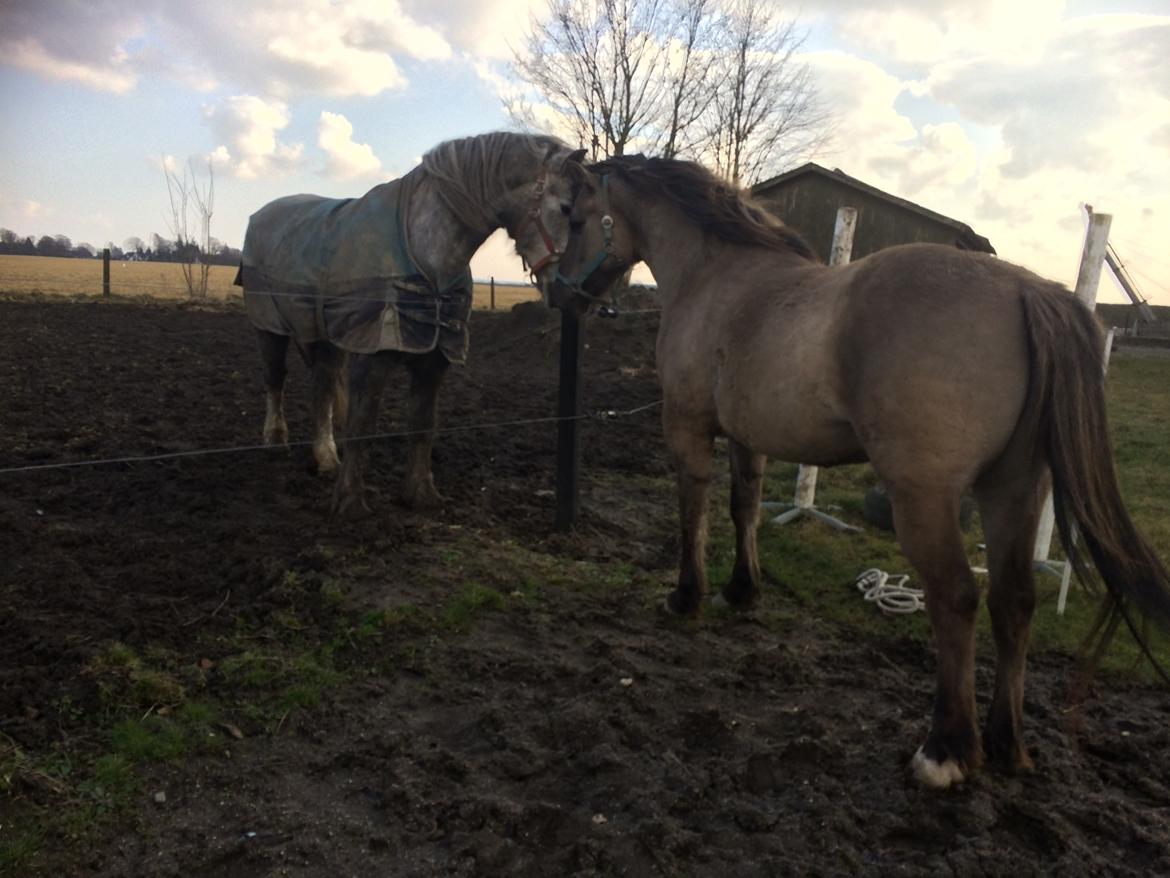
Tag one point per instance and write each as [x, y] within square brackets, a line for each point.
[969, 238]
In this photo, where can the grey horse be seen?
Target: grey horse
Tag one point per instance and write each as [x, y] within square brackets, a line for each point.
[360, 284]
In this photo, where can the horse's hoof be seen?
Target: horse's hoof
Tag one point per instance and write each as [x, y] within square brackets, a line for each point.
[1010, 761]
[424, 499]
[351, 509]
[674, 605]
[737, 601]
[327, 464]
[935, 775]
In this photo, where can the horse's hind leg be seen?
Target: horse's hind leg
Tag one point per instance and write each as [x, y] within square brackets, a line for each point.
[367, 380]
[1010, 515]
[927, 521]
[692, 453]
[327, 362]
[273, 352]
[426, 377]
[747, 480]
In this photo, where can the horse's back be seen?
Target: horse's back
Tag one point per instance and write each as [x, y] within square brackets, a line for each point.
[913, 353]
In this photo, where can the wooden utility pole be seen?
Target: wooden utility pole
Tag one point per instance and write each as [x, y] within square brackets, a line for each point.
[106, 272]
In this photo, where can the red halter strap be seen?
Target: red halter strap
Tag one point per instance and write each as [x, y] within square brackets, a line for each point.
[533, 217]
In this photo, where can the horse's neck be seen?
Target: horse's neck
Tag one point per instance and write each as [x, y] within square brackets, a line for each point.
[680, 255]
[441, 242]
[673, 248]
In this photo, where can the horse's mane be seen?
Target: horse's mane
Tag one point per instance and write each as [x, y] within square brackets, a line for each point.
[716, 206]
[471, 172]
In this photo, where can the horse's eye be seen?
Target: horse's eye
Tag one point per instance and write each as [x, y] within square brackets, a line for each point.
[566, 209]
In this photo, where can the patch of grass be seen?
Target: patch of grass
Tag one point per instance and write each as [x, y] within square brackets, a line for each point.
[399, 619]
[152, 739]
[456, 614]
[113, 780]
[20, 842]
[125, 680]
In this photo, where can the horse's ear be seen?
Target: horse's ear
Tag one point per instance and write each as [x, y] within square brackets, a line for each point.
[575, 171]
[577, 155]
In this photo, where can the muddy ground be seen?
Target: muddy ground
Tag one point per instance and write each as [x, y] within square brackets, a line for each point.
[564, 728]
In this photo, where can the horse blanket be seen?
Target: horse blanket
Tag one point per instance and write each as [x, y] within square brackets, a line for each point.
[340, 270]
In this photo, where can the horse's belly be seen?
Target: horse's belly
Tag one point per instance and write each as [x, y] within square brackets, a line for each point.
[799, 424]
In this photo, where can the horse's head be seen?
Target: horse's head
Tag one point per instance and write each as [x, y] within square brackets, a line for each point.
[538, 216]
[600, 247]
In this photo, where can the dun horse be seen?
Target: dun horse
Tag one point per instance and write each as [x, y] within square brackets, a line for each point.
[947, 370]
[384, 279]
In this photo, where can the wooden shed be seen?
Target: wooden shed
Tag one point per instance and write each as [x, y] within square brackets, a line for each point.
[807, 198]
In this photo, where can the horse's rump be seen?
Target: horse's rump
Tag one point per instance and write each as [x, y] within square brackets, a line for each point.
[340, 270]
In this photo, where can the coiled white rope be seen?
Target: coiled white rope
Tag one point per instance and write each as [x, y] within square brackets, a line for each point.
[891, 594]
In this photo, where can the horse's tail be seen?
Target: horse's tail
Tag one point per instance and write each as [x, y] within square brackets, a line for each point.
[1068, 385]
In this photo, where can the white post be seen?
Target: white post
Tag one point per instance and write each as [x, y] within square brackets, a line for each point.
[1088, 277]
[806, 477]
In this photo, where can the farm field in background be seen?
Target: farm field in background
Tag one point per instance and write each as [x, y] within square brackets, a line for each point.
[50, 275]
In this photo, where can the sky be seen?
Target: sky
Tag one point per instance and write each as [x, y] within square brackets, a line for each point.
[1004, 114]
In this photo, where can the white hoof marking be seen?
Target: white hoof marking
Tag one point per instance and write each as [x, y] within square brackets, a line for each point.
[936, 775]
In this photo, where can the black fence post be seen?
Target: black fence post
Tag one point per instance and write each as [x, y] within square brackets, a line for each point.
[106, 272]
[493, 293]
[569, 409]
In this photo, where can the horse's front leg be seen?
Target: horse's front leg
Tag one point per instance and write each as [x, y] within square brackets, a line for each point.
[747, 482]
[426, 377]
[692, 452]
[274, 351]
[367, 380]
[327, 367]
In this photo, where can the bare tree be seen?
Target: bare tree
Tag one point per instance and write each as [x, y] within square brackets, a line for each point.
[765, 111]
[190, 223]
[713, 80]
[597, 66]
[690, 65]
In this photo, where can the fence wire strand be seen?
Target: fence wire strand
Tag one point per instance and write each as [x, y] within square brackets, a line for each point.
[604, 415]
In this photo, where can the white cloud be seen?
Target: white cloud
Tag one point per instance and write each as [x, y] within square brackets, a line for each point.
[924, 32]
[861, 96]
[246, 127]
[345, 159]
[486, 29]
[30, 209]
[278, 48]
[84, 43]
[30, 55]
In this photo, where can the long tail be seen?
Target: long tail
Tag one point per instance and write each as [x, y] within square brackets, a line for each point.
[1068, 384]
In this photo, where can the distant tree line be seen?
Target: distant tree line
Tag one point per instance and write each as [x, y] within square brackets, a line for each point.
[158, 249]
